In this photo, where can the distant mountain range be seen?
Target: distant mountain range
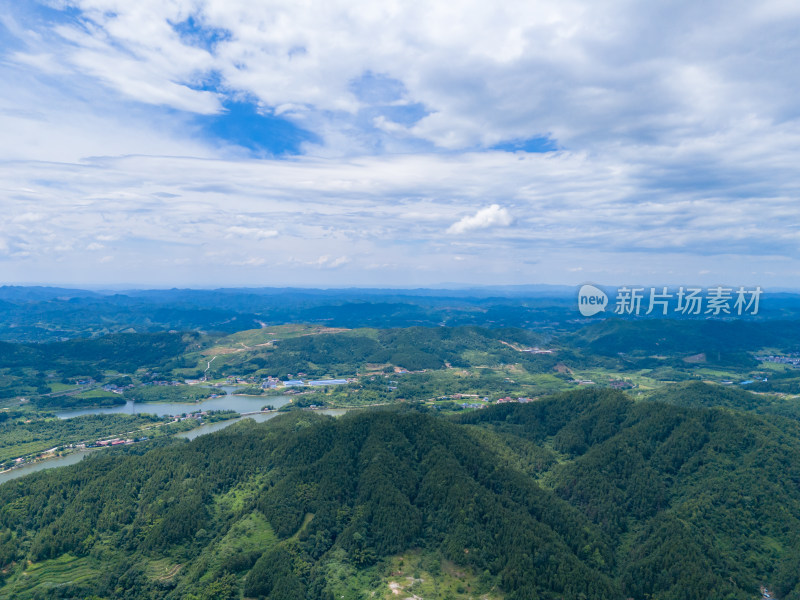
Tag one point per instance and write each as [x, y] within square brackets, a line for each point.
[37, 314]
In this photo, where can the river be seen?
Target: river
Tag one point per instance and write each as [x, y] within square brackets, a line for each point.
[230, 401]
[261, 417]
[75, 457]
[60, 461]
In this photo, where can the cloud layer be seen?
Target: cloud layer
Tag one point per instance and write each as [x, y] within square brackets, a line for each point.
[492, 216]
[662, 142]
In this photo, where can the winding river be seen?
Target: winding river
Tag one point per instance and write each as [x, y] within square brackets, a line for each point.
[231, 401]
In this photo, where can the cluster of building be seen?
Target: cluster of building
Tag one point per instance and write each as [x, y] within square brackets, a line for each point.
[271, 383]
[103, 443]
[198, 415]
[117, 389]
[791, 359]
[26, 460]
[745, 382]
[460, 396]
[485, 402]
[621, 384]
[307, 382]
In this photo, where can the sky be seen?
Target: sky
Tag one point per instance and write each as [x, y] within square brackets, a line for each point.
[205, 143]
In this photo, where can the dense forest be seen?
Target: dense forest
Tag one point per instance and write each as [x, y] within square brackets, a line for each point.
[587, 494]
[123, 352]
[719, 340]
[697, 393]
[30, 369]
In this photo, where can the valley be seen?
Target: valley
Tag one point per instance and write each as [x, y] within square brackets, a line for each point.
[615, 459]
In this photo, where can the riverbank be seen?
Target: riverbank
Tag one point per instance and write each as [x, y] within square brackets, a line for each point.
[73, 453]
[236, 402]
[121, 438]
[29, 468]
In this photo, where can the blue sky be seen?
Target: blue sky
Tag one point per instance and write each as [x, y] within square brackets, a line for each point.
[258, 133]
[226, 142]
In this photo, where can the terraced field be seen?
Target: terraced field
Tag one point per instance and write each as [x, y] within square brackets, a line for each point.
[43, 576]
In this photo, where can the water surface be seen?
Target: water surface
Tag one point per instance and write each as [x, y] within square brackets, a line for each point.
[260, 418]
[76, 457]
[229, 401]
[60, 461]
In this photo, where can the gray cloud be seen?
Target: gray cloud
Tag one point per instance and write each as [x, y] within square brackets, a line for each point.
[286, 215]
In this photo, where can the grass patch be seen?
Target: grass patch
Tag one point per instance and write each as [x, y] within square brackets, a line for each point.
[57, 387]
[234, 500]
[303, 527]
[413, 574]
[425, 575]
[237, 550]
[248, 339]
[251, 533]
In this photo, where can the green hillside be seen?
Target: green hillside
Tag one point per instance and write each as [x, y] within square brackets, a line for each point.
[697, 393]
[584, 495]
[330, 352]
[684, 337]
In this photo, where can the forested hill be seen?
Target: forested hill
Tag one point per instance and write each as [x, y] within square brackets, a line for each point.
[32, 314]
[121, 351]
[585, 495]
[699, 503]
[698, 393]
[681, 337]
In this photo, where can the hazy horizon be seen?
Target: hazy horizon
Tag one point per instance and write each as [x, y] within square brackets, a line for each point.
[533, 288]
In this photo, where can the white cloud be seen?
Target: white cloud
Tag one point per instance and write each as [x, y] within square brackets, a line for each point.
[491, 216]
[587, 74]
[86, 120]
[344, 216]
[46, 63]
[253, 261]
[677, 126]
[328, 262]
[28, 217]
[251, 232]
